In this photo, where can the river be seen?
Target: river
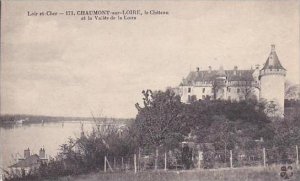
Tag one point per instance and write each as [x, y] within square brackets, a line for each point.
[16, 138]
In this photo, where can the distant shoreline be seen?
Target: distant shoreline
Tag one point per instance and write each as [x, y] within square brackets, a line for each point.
[7, 119]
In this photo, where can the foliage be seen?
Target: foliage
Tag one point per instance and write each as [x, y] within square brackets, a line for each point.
[164, 122]
[159, 122]
[84, 154]
[224, 120]
[292, 91]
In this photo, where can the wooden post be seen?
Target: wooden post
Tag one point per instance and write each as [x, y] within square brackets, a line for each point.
[297, 156]
[129, 164]
[231, 166]
[134, 158]
[122, 166]
[139, 158]
[114, 162]
[104, 163]
[264, 156]
[156, 159]
[193, 154]
[165, 161]
[199, 160]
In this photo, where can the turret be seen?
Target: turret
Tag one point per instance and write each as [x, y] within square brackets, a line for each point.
[272, 78]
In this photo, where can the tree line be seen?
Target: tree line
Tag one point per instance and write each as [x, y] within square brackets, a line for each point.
[163, 122]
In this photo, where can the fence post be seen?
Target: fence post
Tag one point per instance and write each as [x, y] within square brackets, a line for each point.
[104, 163]
[138, 160]
[128, 163]
[297, 156]
[122, 166]
[199, 160]
[264, 156]
[114, 162]
[156, 159]
[134, 157]
[165, 161]
[231, 159]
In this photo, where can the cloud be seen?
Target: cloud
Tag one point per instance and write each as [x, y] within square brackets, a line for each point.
[64, 66]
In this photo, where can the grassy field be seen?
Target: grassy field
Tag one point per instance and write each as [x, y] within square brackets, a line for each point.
[237, 174]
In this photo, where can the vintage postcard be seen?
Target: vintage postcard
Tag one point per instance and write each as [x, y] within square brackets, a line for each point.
[150, 90]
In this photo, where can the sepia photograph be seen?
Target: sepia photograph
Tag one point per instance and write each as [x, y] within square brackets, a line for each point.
[170, 90]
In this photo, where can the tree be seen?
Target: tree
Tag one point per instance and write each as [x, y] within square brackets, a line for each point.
[221, 133]
[292, 91]
[159, 122]
[248, 90]
[227, 124]
[273, 110]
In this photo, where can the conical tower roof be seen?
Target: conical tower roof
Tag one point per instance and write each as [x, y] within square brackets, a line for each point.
[273, 61]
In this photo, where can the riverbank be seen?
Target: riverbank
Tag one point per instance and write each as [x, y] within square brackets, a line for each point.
[237, 174]
[7, 120]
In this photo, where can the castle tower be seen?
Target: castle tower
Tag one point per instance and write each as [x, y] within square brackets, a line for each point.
[272, 78]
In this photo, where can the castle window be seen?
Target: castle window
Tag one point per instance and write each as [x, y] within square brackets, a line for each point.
[238, 90]
[203, 90]
[229, 98]
[228, 89]
[189, 90]
[203, 97]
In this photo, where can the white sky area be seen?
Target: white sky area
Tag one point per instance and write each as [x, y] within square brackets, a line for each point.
[62, 66]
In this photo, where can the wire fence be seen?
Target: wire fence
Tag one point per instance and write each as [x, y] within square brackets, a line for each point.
[200, 159]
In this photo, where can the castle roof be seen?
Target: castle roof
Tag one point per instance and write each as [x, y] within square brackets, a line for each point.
[211, 75]
[273, 61]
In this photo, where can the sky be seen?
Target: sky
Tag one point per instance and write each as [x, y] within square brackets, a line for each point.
[62, 66]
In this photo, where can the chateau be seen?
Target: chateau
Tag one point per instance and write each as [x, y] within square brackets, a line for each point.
[265, 84]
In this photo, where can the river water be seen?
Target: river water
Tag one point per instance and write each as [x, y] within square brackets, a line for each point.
[16, 138]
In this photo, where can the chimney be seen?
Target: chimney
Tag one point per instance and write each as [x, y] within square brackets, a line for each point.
[26, 153]
[42, 153]
[272, 48]
[235, 70]
[197, 69]
[209, 69]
